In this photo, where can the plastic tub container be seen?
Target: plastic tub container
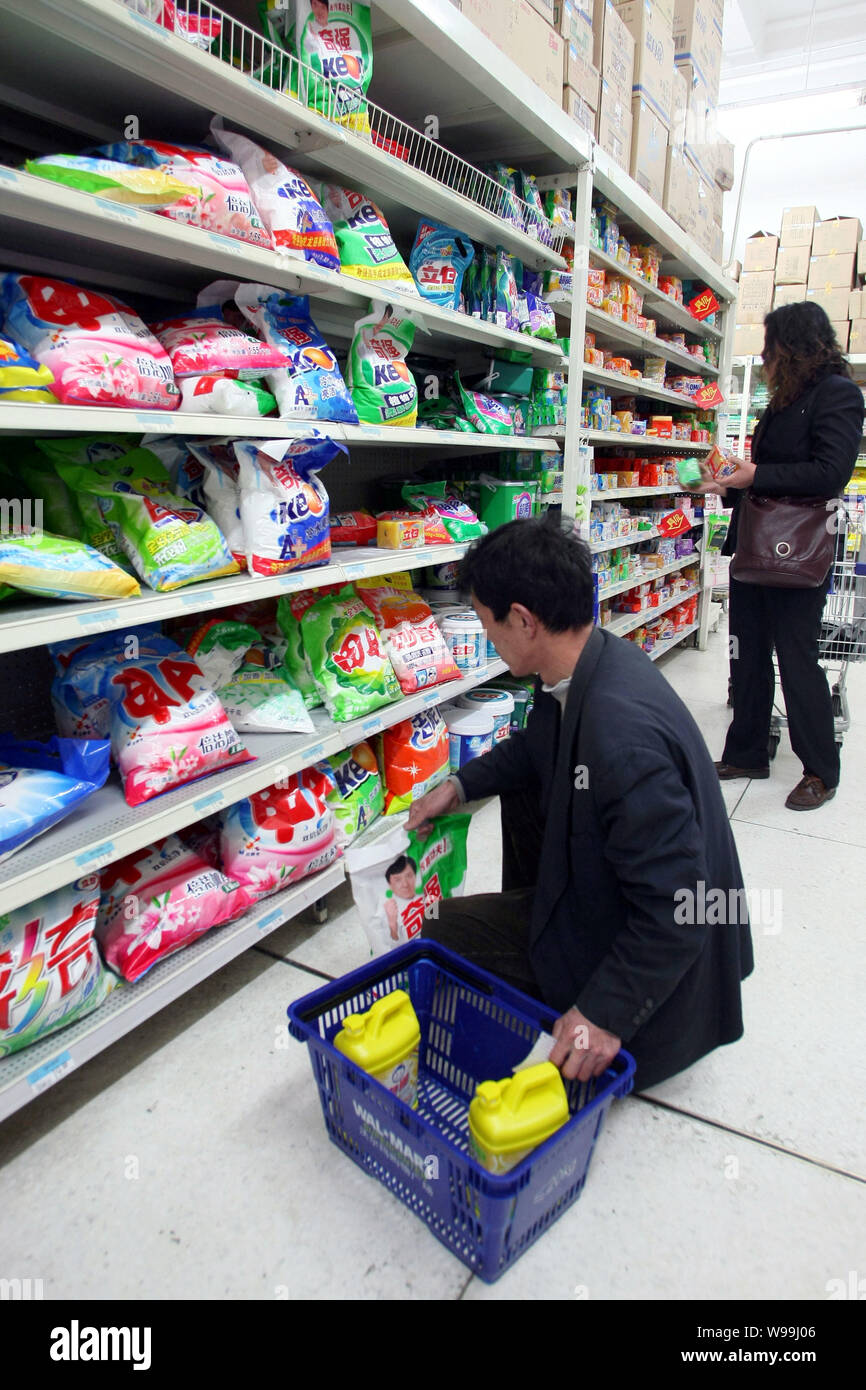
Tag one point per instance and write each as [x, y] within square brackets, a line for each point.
[470, 733]
[502, 501]
[499, 703]
[466, 640]
[474, 1028]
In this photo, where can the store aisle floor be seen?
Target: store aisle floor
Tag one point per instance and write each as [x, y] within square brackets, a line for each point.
[190, 1160]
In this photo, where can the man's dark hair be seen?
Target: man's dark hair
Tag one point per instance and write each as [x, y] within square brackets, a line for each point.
[540, 563]
[404, 862]
[800, 347]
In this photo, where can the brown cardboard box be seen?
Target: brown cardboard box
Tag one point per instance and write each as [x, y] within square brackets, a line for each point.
[798, 226]
[579, 72]
[697, 40]
[545, 8]
[833, 302]
[841, 329]
[653, 54]
[649, 147]
[755, 297]
[679, 107]
[680, 194]
[613, 50]
[723, 170]
[832, 272]
[578, 109]
[613, 125]
[857, 340]
[571, 19]
[836, 236]
[704, 213]
[760, 253]
[748, 340]
[792, 265]
[861, 258]
[717, 243]
[856, 304]
[524, 37]
[788, 294]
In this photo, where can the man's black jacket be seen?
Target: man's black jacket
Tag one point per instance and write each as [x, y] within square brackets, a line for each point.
[634, 823]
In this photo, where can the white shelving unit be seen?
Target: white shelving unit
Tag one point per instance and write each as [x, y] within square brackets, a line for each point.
[94, 62]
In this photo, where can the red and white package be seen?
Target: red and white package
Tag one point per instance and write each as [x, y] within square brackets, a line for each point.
[202, 342]
[353, 528]
[418, 651]
[281, 834]
[159, 899]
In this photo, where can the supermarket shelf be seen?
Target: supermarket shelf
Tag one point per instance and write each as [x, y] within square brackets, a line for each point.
[26, 1074]
[153, 254]
[106, 61]
[632, 620]
[662, 305]
[622, 542]
[610, 495]
[616, 332]
[623, 587]
[32, 623]
[105, 828]
[643, 441]
[16, 417]
[618, 384]
[661, 648]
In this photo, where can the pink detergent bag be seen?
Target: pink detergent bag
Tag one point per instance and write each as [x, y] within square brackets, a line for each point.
[281, 834]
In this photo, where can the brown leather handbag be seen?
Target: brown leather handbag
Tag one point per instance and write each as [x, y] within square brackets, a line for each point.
[785, 542]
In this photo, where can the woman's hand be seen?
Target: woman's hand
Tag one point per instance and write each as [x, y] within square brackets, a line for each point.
[743, 476]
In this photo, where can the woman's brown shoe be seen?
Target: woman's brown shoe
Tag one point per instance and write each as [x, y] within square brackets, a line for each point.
[809, 794]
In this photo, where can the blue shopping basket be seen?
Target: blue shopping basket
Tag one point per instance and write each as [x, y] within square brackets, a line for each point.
[473, 1028]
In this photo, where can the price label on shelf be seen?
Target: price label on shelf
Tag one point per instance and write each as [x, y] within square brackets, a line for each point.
[270, 920]
[316, 751]
[209, 802]
[117, 212]
[97, 855]
[51, 1072]
[200, 596]
[372, 725]
[8, 175]
[156, 421]
[104, 617]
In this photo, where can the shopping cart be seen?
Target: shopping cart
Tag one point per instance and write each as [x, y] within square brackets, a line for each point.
[842, 639]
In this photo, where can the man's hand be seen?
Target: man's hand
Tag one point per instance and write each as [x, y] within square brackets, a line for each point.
[582, 1050]
[424, 811]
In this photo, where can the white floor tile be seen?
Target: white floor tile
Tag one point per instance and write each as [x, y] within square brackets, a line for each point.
[661, 1219]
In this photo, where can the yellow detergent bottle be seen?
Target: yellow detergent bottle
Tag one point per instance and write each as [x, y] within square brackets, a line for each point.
[510, 1118]
[384, 1041]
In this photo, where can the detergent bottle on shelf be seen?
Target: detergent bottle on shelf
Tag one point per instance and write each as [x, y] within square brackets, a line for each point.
[384, 1042]
[510, 1118]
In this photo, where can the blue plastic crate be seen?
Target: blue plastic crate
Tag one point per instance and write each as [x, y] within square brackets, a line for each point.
[473, 1028]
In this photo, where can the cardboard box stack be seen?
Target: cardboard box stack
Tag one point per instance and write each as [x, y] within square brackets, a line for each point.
[525, 32]
[810, 259]
[613, 55]
[581, 78]
[697, 34]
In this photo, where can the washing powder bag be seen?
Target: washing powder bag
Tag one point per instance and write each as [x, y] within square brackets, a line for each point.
[280, 835]
[169, 541]
[200, 341]
[357, 798]
[22, 377]
[221, 494]
[350, 666]
[41, 783]
[487, 414]
[259, 701]
[333, 41]
[438, 263]
[311, 385]
[381, 384]
[223, 394]
[159, 899]
[414, 758]
[413, 641]
[366, 246]
[219, 647]
[459, 520]
[81, 708]
[221, 201]
[287, 204]
[54, 567]
[121, 183]
[398, 879]
[353, 528]
[283, 505]
[97, 349]
[296, 663]
[50, 971]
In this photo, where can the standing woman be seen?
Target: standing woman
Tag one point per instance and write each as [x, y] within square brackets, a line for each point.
[805, 446]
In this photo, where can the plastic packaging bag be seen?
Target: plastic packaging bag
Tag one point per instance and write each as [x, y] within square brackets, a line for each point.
[259, 701]
[367, 248]
[169, 541]
[438, 262]
[222, 497]
[22, 377]
[223, 394]
[459, 520]
[311, 385]
[353, 528]
[81, 709]
[290, 610]
[121, 183]
[201, 342]
[414, 643]
[357, 798]
[381, 384]
[221, 201]
[97, 348]
[285, 201]
[50, 971]
[352, 671]
[506, 312]
[219, 647]
[397, 879]
[414, 759]
[159, 899]
[54, 567]
[283, 505]
[334, 43]
[487, 414]
[41, 783]
[281, 834]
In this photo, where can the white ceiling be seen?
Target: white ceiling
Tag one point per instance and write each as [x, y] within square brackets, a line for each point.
[785, 48]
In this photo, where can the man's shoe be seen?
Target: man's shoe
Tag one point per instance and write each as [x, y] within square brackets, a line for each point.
[727, 773]
[809, 794]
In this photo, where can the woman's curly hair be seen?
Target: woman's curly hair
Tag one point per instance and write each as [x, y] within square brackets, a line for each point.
[800, 347]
